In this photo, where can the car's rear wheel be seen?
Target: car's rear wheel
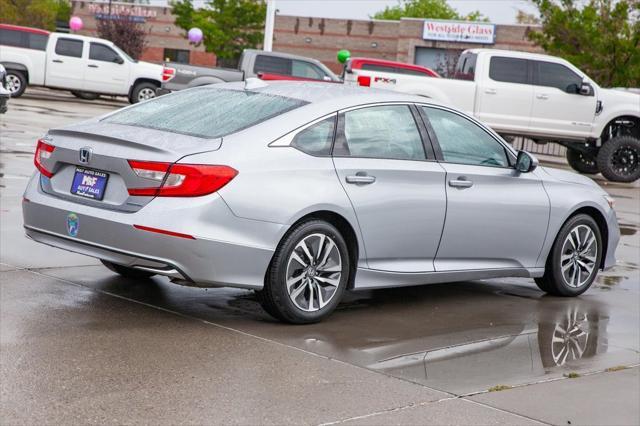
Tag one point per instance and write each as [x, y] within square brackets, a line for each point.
[582, 162]
[574, 259]
[307, 275]
[126, 271]
[16, 83]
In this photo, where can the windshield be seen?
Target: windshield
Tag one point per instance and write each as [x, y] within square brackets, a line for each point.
[205, 112]
[123, 53]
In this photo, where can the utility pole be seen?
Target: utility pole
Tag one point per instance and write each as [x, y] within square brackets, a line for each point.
[269, 23]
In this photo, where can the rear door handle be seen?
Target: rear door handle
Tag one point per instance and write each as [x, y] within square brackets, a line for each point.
[542, 96]
[57, 61]
[461, 182]
[92, 66]
[490, 91]
[360, 178]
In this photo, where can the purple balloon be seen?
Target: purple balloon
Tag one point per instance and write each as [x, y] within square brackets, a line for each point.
[195, 35]
[75, 23]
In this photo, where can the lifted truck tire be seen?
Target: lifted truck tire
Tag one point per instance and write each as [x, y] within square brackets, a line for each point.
[582, 162]
[619, 159]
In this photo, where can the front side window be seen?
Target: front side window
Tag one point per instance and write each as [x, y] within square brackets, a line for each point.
[556, 75]
[387, 131]
[316, 139]
[272, 65]
[100, 52]
[304, 69]
[205, 112]
[464, 142]
[69, 47]
[508, 70]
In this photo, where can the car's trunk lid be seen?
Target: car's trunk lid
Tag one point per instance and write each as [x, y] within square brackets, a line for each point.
[110, 146]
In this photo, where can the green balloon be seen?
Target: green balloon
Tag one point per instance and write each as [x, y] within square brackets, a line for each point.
[343, 56]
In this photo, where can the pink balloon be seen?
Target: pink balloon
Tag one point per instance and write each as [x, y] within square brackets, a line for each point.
[75, 23]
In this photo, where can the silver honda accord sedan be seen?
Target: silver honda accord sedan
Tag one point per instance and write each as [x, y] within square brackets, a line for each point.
[301, 191]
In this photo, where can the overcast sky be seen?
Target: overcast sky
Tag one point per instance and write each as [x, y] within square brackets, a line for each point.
[498, 11]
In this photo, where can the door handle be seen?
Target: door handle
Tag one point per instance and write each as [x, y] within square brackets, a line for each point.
[360, 178]
[542, 96]
[490, 91]
[57, 61]
[461, 182]
[92, 66]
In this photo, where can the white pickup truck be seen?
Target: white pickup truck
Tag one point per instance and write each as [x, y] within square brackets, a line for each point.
[83, 65]
[541, 97]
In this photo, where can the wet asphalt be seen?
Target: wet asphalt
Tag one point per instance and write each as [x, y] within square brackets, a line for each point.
[79, 344]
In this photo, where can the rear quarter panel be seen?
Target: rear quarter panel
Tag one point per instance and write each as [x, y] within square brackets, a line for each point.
[33, 60]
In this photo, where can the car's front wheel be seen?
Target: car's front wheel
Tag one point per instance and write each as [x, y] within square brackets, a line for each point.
[574, 259]
[307, 275]
[126, 271]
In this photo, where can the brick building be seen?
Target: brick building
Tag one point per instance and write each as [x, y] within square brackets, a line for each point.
[429, 43]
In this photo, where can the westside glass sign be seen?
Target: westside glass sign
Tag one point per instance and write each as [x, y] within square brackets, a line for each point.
[462, 32]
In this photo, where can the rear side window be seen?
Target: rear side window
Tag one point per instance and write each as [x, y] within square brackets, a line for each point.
[466, 67]
[381, 132]
[316, 139]
[556, 75]
[272, 65]
[306, 70]
[205, 112]
[100, 52]
[508, 70]
[69, 47]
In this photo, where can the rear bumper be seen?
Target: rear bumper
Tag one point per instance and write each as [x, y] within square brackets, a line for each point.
[225, 250]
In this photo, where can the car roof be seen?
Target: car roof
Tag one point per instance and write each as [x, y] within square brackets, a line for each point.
[359, 61]
[334, 96]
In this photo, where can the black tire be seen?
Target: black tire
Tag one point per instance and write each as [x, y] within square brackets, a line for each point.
[88, 96]
[553, 281]
[619, 159]
[275, 298]
[20, 79]
[127, 272]
[143, 87]
[582, 162]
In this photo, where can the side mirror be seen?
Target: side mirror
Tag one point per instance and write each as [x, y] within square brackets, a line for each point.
[586, 89]
[526, 162]
[118, 60]
[327, 78]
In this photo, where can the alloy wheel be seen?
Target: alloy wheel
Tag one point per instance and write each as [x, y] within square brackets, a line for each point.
[146, 93]
[579, 254]
[570, 336]
[13, 84]
[313, 273]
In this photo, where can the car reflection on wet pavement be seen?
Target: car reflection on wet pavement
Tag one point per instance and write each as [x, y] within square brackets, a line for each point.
[461, 339]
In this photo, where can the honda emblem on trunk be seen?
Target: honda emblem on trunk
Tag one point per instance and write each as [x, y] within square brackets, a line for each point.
[85, 155]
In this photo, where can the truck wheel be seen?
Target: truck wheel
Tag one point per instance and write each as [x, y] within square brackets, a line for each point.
[582, 162]
[16, 83]
[85, 95]
[142, 92]
[619, 159]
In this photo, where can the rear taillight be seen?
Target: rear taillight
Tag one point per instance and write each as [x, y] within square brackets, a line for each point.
[364, 80]
[181, 180]
[43, 152]
[168, 73]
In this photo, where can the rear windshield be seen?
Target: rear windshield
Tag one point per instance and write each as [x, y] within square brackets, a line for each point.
[205, 112]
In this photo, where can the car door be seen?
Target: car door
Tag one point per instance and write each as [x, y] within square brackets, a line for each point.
[66, 64]
[107, 71]
[505, 95]
[395, 187]
[558, 107]
[496, 217]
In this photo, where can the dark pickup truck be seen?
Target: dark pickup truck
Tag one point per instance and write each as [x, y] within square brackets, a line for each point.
[253, 63]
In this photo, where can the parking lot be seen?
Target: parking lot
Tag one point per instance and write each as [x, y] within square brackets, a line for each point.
[79, 344]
